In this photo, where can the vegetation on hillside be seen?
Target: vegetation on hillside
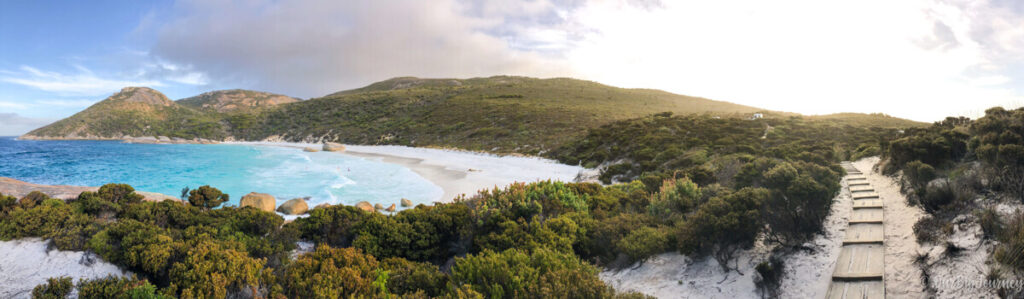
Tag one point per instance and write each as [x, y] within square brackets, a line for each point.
[960, 167]
[699, 185]
[234, 101]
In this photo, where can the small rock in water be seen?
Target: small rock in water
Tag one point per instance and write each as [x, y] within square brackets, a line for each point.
[333, 147]
[310, 150]
[406, 203]
[391, 208]
[378, 206]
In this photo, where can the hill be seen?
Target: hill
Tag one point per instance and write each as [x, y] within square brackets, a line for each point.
[134, 111]
[235, 100]
[869, 120]
[499, 114]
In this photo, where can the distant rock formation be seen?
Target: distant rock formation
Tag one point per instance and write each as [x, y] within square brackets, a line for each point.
[235, 100]
[261, 201]
[406, 203]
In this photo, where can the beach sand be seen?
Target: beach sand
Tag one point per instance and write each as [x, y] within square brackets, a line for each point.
[457, 172]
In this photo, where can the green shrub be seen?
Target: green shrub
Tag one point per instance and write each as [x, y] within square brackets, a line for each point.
[55, 288]
[118, 287]
[519, 274]
[121, 194]
[990, 221]
[32, 199]
[643, 242]
[408, 277]
[332, 273]
[206, 197]
[676, 198]
[724, 225]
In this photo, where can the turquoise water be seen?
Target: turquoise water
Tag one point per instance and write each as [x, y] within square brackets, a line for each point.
[282, 172]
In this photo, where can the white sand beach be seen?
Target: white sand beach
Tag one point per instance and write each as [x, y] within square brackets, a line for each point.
[456, 172]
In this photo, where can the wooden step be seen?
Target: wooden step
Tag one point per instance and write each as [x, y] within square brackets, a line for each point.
[856, 178]
[867, 188]
[860, 262]
[866, 216]
[859, 183]
[856, 290]
[867, 204]
[864, 195]
[864, 233]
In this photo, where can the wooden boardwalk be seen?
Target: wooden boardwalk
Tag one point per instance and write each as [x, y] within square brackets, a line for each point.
[861, 264]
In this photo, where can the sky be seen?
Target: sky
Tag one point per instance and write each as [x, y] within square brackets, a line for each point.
[917, 59]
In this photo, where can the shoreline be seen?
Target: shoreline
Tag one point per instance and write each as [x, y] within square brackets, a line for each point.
[456, 172]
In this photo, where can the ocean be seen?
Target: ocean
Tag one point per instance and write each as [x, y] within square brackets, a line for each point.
[283, 172]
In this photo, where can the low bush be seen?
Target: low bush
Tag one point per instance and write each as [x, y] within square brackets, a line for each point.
[118, 287]
[54, 288]
[206, 197]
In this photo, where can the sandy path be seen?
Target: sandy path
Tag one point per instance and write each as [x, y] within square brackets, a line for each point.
[902, 276]
[26, 263]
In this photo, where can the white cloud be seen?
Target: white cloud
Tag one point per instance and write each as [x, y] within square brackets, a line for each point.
[83, 83]
[921, 59]
[311, 48]
[914, 59]
[12, 105]
[12, 124]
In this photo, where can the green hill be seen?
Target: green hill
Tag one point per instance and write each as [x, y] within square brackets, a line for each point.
[497, 114]
[500, 114]
[868, 120]
[235, 100]
[134, 111]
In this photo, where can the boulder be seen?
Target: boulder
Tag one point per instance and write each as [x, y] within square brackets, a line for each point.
[321, 206]
[262, 201]
[391, 208]
[295, 206]
[365, 206]
[333, 147]
[406, 203]
[378, 206]
[310, 150]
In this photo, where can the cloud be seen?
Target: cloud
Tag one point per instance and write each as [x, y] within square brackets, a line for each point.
[85, 82]
[12, 124]
[922, 59]
[311, 48]
[12, 105]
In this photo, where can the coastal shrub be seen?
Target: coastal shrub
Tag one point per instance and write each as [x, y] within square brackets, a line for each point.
[643, 242]
[76, 231]
[32, 199]
[675, 198]
[769, 276]
[599, 235]
[209, 270]
[1010, 250]
[206, 197]
[937, 195]
[408, 277]
[92, 204]
[54, 288]
[724, 225]
[40, 221]
[917, 175]
[518, 273]
[121, 194]
[7, 204]
[334, 225]
[990, 221]
[118, 287]
[333, 273]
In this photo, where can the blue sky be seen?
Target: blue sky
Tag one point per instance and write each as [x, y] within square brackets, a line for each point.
[918, 59]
